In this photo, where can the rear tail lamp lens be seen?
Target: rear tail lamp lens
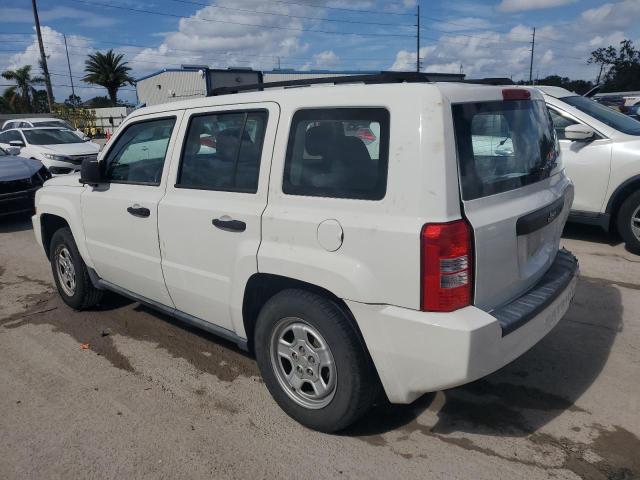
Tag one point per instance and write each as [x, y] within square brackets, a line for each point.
[447, 266]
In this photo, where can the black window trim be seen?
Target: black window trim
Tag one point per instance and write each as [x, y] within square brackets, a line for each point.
[334, 113]
[564, 113]
[146, 120]
[246, 112]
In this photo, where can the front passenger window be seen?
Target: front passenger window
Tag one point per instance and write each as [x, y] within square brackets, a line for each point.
[138, 154]
[560, 123]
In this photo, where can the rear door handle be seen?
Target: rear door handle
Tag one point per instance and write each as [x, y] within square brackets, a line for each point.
[138, 211]
[229, 225]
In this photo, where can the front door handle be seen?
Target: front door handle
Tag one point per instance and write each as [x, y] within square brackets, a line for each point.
[138, 211]
[229, 225]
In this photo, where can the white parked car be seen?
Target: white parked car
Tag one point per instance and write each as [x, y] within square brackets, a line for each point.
[59, 149]
[601, 154]
[425, 263]
[42, 122]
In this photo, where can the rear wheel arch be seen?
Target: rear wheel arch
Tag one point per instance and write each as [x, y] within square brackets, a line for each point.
[620, 194]
[262, 286]
[50, 224]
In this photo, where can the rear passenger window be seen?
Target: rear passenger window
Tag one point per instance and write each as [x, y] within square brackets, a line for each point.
[222, 152]
[341, 153]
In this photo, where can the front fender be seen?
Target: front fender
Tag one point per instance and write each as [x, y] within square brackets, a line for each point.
[64, 202]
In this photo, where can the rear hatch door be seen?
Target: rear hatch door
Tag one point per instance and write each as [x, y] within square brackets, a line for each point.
[513, 192]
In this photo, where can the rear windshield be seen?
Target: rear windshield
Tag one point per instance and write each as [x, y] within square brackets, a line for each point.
[503, 145]
[606, 115]
[53, 123]
[50, 137]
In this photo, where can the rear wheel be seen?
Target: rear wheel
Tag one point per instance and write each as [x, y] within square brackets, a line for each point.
[313, 361]
[70, 272]
[629, 222]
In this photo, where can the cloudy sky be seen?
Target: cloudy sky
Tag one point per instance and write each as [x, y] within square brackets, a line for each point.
[481, 37]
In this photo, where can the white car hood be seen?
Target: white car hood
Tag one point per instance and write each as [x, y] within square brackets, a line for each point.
[68, 180]
[84, 148]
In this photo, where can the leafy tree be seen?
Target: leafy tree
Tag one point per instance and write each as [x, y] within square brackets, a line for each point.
[108, 70]
[8, 101]
[74, 101]
[605, 57]
[24, 91]
[40, 101]
[98, 102]
[623, 72]
[579, 86]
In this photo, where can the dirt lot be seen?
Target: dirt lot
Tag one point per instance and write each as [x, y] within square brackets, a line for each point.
[153, 399]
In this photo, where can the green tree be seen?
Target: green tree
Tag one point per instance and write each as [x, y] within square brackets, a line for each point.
[109, 71]
[24, 91]
[605, 57]
[74, 101]
[623, 72]
[98, 102]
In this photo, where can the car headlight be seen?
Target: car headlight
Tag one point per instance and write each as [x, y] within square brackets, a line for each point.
[53, 156]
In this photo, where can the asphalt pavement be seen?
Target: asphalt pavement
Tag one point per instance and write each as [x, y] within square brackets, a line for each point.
[151, 398]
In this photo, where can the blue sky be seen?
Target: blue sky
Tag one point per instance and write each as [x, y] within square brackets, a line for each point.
[483, 38]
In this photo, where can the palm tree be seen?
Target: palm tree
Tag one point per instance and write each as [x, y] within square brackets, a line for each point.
[23, 93]
[108, 70]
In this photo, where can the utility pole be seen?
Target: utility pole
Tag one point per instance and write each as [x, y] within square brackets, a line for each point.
[43, 57]
[533, 46]
[418, 40]
[73, 91]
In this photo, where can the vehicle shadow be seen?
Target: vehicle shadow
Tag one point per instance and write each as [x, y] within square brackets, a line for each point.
[591, 233]
[530, 392]
[18, 222]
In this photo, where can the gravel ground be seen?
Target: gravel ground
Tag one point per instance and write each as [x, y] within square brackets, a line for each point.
[151, 398]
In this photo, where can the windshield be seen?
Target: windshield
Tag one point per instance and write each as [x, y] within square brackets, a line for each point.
[609, 117]
[50, 137]
[503, 145]
[53, 123]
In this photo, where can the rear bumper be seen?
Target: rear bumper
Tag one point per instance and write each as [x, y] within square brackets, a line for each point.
[418, 352]
[17, 202]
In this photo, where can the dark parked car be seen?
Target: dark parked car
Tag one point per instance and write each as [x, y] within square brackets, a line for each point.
[19, 180]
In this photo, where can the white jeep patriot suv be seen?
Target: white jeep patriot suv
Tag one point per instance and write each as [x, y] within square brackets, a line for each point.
[360, 238]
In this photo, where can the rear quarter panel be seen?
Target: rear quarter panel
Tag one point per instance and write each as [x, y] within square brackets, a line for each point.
[379, 260]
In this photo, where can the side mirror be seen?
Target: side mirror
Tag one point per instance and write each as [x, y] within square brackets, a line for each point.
[16, 143]
[90, 172]
[579, 132]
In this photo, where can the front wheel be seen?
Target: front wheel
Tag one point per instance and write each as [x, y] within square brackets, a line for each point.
[629, 222]
[313, 362]
[70, 272]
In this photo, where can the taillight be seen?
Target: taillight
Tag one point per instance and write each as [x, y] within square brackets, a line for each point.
[447, 266]
[516, 94]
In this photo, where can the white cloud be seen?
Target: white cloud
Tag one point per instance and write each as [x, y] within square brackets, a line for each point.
[326, 59]
[521, 5]
[229, 41]
[561, 49]
[462, 24]
[79, 48]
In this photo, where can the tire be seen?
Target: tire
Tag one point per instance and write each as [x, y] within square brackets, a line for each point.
[64, 253]
[630, 211]
[304, 319]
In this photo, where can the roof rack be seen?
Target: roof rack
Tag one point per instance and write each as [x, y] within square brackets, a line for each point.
[378, 78]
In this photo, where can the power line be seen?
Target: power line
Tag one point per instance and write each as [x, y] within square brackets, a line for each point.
[277, 27]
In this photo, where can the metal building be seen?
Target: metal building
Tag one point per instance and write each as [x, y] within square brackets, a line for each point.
[193, 81]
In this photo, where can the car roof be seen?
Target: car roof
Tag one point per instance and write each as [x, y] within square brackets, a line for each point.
[326, 93]
[556, 92]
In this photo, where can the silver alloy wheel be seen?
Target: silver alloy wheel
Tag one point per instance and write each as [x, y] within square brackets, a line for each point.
[66, 271]
[635, 223]
[303, 363]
